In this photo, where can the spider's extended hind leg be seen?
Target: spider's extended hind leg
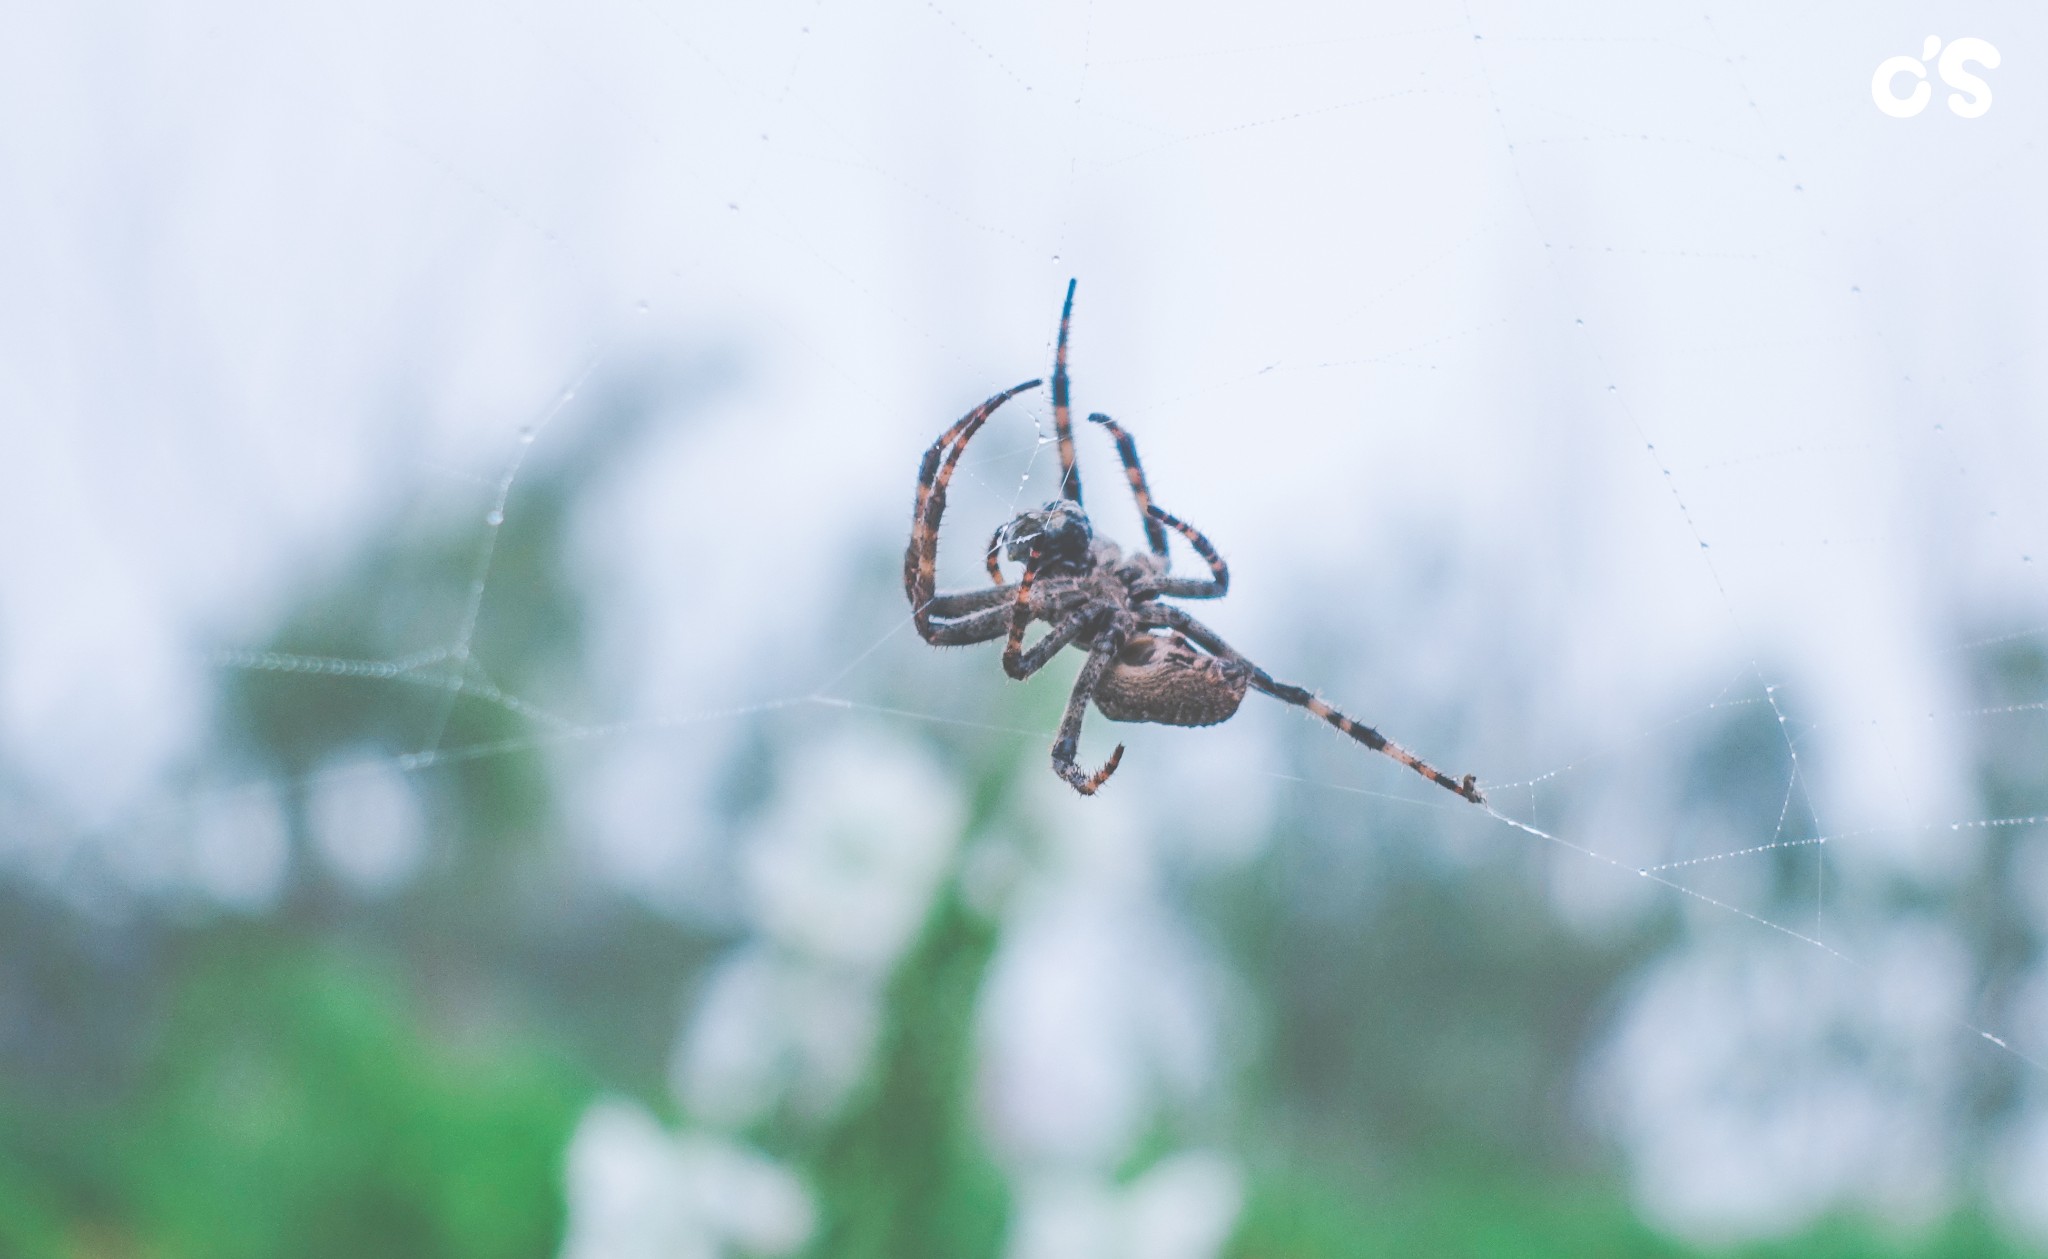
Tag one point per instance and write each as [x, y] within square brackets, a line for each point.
[1173, 618]
[1107, 645]
[1062, 406]
[1134, 472]
[921, 557]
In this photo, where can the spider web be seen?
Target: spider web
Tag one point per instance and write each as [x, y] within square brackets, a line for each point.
[1585, 382]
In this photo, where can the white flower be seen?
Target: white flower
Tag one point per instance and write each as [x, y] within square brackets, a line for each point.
[845, 867]
[240, 850]
[367, 822]
[771, 1028]
[1759, 1082]
[838, 878]
[1182, 1208]
[637, 1191]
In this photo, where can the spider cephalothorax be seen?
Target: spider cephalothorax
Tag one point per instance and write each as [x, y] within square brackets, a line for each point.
[1058, 531]
[1147, 660]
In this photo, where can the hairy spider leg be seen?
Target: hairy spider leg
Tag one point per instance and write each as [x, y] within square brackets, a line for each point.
[1134, 472]
[1021, 664]
[1170, 617]
[995, 546]
[1062, 408]
[984, 626]
[1020, 617]
[1218, 582]
[1100, 656]
[920, 558]
[946, 606]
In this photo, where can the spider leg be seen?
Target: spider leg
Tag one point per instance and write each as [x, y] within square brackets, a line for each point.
[921, 557]
[1218, 583]
[984, 626]
[1170, 617]
[1027, 663]
[1107, 645]
[1127, 450]
[995, 547]
[1020, 616]
[1062, 410]
[960, 603]
[1021, 664]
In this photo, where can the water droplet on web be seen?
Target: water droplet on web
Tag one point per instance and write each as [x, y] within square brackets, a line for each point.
[526, 435]
[568, 394]
[641, 305]
[495, 518]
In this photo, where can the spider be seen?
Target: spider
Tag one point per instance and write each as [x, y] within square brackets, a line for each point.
[1147, 660]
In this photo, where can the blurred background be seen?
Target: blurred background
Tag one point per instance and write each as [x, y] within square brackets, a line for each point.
[468, 785]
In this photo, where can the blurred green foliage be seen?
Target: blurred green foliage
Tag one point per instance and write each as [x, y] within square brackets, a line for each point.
[1479, 1215]
[904, 1174]
[293, 1102]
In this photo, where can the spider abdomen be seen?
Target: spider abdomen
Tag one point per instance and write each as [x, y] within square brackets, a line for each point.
[1162, 679]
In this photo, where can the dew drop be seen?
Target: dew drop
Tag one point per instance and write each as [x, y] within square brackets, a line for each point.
[495, 518]
[526, 435]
